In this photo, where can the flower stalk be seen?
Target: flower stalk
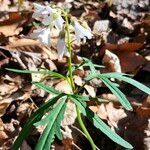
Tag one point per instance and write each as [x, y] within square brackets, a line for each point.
[80, 121]
[70, 53]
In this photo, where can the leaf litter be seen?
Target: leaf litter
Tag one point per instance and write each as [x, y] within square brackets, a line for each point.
[121, 44]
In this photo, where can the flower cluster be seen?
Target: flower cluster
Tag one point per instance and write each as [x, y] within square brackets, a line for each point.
[52, 18]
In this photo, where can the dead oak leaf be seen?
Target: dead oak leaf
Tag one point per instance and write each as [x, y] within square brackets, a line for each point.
[15, 22]
[90, 90]
[124, 47]
[111, 61]
[135, 127]
[29, 54]
[64, 86]
[130, 62]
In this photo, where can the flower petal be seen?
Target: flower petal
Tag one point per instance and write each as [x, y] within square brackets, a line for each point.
[43, 35]
[39, 10]
[59, 23]
[47, 20]
[61, 48]
[81, 32]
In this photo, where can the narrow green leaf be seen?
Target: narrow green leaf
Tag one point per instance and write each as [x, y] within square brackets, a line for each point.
[128, 80]
[81, 97]
[47, 118]
[98, 123]
[56, 115]
[121, 97]
[44, 71]
[108, 75]
[87, 98]
[91, 76]
[115, 74]
[41, 144]
[87, 61]
[34, 118]
[96, 66]
[27, 71]
[58, 133]
[46, 88]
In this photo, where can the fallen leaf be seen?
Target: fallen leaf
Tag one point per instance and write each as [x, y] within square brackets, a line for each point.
[15, 22]
[69, 119]
[135, 127]
[130, 62]
[78, 80]
[111, 61]
[90, 90]
[4, 5]
[101, 26]
[124, 47]
[64, 86]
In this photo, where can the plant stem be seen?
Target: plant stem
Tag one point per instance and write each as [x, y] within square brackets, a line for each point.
[70, 53]
[84, 129]
[73, 85]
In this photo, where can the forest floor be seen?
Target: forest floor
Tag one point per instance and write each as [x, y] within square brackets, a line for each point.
[121, 43]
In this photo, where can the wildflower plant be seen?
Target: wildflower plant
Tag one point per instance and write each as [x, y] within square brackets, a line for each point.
[51, 113]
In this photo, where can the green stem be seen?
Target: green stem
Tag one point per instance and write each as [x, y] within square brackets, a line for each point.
[84, 129]
[73, 85]
[70, 53]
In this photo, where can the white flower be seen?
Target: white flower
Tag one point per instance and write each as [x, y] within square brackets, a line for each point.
[39, 11]
[43, 35]
[59, 23]
[53, 18]
[48, 16]
[61, 48]
[81, 32]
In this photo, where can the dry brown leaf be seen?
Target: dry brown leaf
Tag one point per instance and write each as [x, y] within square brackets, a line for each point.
[4, 5]
[111, 61]
[3, 39]
[69, 119]
[15, 43]
[101, 26]
[130, 62]
[124, 47]
[90, 90]
[15, 22]
[30, 54]
[109, 96]
[78, 80]
[23, 110]
[114, 115]
[108, 112]
[135, 127]
[102, 113]
[64, 86]
[7, 89]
